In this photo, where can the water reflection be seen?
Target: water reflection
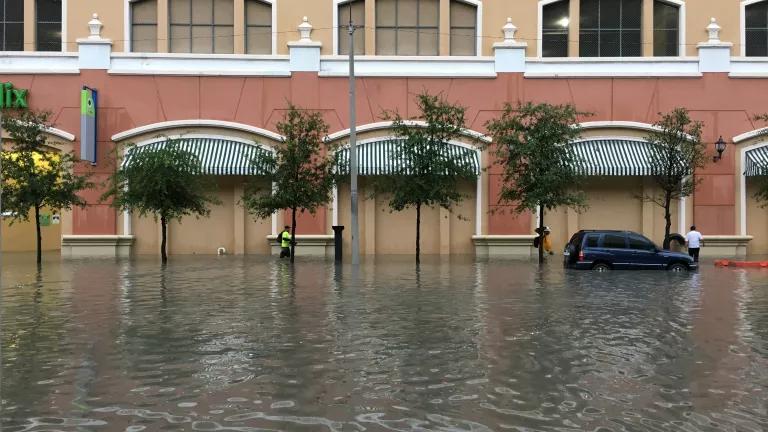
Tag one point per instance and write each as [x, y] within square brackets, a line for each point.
[250, 344]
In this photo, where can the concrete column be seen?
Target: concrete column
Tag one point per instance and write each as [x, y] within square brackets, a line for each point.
[573, 28]
[370, 27]
[648, 208]
[714, 55]
[444, 48]
[304, 53]
[572, 221]
[646, 24]
[369, 227]
[239, 26]
[239, 213]
[163, 39]
[445, 231]
[510, 54]
[29, 25]
[94, 52]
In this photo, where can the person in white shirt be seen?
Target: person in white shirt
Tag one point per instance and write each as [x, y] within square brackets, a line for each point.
[693, 241]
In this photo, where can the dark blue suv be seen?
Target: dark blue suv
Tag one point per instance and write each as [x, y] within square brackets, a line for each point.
[621, 250]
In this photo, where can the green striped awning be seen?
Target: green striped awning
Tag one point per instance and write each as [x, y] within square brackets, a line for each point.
[218, 156]
[384, 157]
[615, 157]
[756, 162]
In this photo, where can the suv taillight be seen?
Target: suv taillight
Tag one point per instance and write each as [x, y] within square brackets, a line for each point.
[581, 255]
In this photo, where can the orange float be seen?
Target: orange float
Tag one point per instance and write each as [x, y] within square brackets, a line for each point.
[741, 264]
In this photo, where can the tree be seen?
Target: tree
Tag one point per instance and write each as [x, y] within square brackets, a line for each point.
[35, 175]
[677, 153]
[301, 170]
[539, 167]
[426, 174]
[165, 181]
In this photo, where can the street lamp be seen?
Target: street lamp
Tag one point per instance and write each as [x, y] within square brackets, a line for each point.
[355, 230]
[720, 148]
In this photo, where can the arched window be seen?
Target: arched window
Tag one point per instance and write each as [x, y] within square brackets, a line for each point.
[407, 27]
[756, 29]
[357, 7]
[144, 26]
[555, 21]
[610, 28]
[202, 26]
[463, 28]
[12, 25]
[666, 29]
[258, 27]
[48, 25]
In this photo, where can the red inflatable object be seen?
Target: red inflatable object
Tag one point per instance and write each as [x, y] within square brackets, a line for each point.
[741, 264]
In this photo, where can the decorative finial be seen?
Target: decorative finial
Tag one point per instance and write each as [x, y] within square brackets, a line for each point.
[95, 26]
[509, 30]
[714, 31]
[305, 30]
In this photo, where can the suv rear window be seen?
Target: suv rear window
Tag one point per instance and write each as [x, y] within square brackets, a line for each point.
[614, 241]
[639, 243]
[592, 240]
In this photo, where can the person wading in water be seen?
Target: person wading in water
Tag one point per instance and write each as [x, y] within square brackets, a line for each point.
[285, 242]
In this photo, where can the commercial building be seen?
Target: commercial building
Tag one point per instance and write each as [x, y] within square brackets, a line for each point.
[221, 71]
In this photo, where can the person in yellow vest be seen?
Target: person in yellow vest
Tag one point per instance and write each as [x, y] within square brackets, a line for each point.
[285, 242]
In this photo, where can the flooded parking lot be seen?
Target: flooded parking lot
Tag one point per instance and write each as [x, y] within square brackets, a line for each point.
[251, 344]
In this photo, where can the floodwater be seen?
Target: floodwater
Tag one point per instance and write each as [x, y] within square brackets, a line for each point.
[251, 344]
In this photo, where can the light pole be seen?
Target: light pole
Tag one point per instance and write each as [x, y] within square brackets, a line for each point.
[355, 230]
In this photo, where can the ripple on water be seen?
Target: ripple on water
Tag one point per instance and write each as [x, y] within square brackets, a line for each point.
[504, 345]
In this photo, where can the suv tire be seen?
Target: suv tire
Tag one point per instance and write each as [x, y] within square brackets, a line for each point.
[678, 268]
[601, 267]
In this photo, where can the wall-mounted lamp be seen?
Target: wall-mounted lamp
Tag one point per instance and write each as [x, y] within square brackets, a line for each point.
[720, 148]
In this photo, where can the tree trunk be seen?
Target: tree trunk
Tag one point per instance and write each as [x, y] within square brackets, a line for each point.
[39, 236]
[667, 219]
[163, 241]
[541, 234]
[418, 233]
[293, 234]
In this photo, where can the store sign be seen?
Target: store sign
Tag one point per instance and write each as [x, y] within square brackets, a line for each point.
[12, 97]
[88, 106]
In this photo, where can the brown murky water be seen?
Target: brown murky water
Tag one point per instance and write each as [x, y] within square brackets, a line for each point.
[250, 344]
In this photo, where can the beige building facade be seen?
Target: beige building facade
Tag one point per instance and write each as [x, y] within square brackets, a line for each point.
[443, 22]
[222, 71]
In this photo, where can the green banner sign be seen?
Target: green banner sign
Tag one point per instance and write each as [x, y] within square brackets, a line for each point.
[89, 99]
[12, 97]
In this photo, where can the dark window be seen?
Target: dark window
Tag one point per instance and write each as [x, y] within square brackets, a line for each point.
[554, 29]
[614, 241]
[407, 27]
[463, 28]
[640, 243]
[144, 26]
[48, 20]
[202, 26]
[12, 25]
[258, 27]
[666, 29]
[756, 30]
[610, 28]
[592, 241]
[358, 17]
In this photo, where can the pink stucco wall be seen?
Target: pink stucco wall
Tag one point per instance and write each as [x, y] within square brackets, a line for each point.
[725, 105]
